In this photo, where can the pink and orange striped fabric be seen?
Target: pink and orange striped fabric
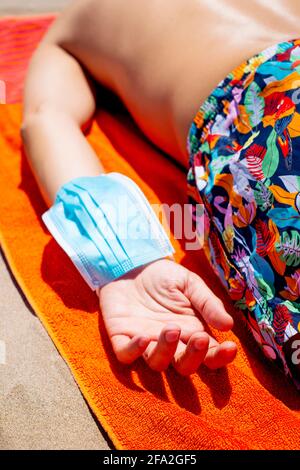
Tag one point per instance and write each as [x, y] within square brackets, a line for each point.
[18, 39]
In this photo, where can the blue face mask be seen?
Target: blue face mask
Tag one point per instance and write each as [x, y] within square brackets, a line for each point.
[106, 226]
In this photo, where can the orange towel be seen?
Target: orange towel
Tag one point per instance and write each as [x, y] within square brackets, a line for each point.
[249, 405]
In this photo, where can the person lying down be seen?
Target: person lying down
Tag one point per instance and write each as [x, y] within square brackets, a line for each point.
[214, 85]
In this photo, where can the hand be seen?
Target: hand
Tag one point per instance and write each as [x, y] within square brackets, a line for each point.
[155, 311]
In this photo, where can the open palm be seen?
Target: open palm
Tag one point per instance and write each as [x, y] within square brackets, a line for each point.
[159, 312]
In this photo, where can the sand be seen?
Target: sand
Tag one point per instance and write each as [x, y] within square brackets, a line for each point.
[29, 7]
[41, 406]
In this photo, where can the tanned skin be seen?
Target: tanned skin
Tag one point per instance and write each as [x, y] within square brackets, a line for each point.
[161, 58]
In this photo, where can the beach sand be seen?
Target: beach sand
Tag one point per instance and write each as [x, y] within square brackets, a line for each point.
[30, 7]
[41, 406]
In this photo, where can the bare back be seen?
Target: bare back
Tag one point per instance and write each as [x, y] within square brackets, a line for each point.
[163, 57]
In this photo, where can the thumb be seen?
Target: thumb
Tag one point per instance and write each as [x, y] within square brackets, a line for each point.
[207, 303]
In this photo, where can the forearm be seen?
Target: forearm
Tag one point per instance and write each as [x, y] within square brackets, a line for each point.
[57, 151]
[58, 101]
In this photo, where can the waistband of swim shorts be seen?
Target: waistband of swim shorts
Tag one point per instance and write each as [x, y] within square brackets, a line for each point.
[213, 103]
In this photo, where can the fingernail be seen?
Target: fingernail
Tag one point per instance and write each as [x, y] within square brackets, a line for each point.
[143, 342]
[198, 344]
[172, 336]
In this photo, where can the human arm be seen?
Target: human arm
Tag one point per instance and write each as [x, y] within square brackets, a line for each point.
[159, 297]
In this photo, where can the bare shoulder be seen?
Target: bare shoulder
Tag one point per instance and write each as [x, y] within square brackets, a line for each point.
[89, 22]
[131, 47]
[117, 31]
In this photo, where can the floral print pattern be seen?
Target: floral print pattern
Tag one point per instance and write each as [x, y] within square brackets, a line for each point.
[244, 147]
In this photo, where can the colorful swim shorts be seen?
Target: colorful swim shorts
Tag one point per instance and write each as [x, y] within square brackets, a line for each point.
[244, 147]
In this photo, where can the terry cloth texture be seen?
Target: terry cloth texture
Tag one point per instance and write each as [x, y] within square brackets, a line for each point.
[248, 405]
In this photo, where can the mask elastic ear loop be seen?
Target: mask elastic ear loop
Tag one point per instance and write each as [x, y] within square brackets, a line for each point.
[89, 236]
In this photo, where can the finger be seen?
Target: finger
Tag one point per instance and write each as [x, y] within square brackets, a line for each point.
[128, 349]
[207, 303]
[159, 354]
[220, 355]
[188, 359]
